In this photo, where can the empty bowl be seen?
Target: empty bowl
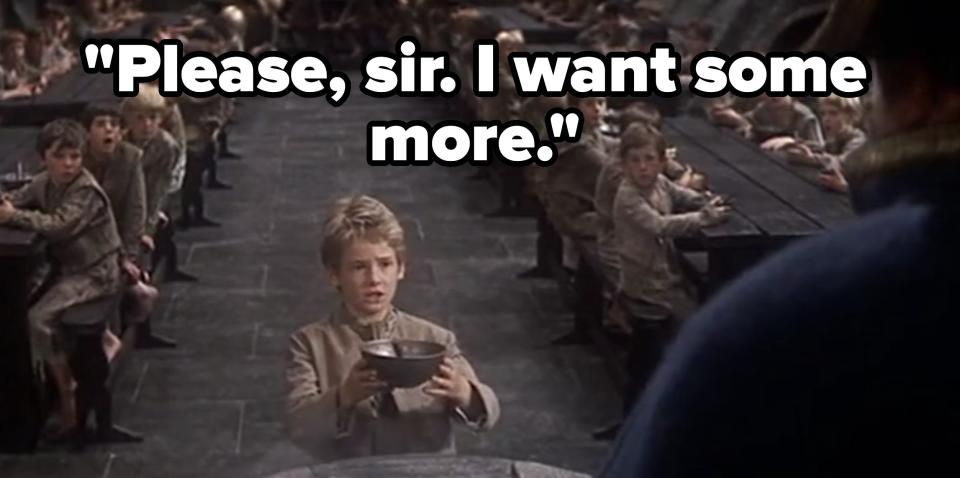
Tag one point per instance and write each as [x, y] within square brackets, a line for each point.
[403, 363]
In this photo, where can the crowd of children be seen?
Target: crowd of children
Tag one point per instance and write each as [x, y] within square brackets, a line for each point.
[116, 184]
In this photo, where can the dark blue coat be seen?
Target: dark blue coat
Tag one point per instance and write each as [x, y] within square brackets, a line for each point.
[842, 353]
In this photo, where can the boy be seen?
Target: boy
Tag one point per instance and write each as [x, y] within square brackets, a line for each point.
[116, 165]
[649, 211]
[142, 115]
[17, 72]
[73, 213]
[840, 117]
[777, 117]
[336, 407]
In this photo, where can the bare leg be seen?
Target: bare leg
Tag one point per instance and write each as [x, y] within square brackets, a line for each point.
[111, 344]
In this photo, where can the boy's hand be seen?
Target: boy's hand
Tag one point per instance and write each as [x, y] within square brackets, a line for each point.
[833, 182]
[360, 384]
[147, 242]
[131, 269]
[6, 210]
[713, 213]
[450, 384]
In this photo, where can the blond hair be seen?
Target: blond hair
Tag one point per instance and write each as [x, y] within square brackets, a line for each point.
[511, 38]
[148, 99]
[360, 217]
[849, 106]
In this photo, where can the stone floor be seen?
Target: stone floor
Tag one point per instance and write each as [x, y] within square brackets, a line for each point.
[212, 407]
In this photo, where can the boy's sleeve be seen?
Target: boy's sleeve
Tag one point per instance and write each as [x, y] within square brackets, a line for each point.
[487, 410]
[25, 196]
[157, 182]
[315, 417]
[810, 132]
[635, 214]
[685, 199]
[69, 219]
[135, 213]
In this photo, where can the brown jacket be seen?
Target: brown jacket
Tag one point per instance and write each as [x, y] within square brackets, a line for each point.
[570, 186]
[646, 222]
[74, 219]
[160, 154]
[320, 358]
[121, 177]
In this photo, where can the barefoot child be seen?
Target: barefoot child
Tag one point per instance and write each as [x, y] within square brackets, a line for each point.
[66, 206]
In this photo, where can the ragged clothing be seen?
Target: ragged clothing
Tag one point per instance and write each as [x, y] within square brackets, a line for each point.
[83, 244]
[320, 358]
[121, 177]
[173, 123]
[570, 186]
[608, 183]
[160, 156]
[646, 222]
[797, 121]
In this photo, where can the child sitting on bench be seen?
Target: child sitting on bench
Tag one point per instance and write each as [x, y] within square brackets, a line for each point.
[68, 208]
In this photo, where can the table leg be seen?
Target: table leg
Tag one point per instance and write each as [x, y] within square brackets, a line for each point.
[20, 407]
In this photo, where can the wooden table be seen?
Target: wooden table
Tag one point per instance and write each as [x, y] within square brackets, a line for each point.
[68, 94]
[20, 412]
[774, 204]
[430, 466]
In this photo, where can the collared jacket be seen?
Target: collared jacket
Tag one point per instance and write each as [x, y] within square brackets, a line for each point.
[121, 177]
[646, 222]
[320, 358]
[75, 219]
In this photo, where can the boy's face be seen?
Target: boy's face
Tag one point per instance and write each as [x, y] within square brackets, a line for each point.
[63, 164]
[593, 110]
[832, 119]
[367, 277]
[15, 51]
[644, 165]
[104, 134]
[144, 124]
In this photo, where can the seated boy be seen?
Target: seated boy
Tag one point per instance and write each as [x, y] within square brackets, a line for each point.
[839, 117]
[336, 406]
[649, 211]
[141, 116]
[776, 118]
[18, 75]
[70, 210]
[117, 166]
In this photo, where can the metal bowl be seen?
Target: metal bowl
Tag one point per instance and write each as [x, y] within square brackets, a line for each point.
[403, 363]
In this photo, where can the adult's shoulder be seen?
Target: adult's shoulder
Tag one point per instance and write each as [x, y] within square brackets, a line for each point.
[785, 356]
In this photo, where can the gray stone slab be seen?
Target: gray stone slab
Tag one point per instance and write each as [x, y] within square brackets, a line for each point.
[213, 378]
[89, 465]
